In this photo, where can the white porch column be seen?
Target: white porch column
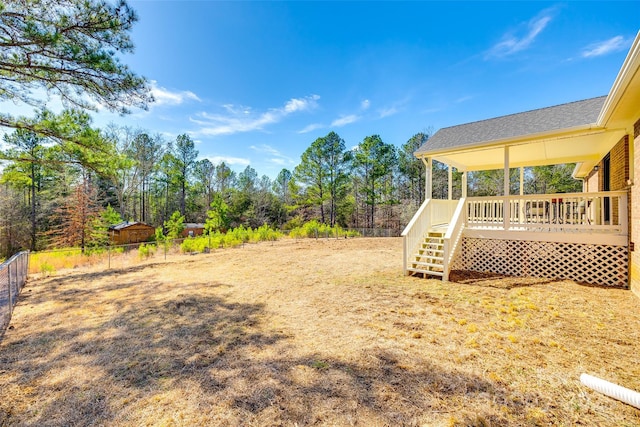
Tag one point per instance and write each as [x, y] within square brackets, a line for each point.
[464, 184]
[631, 182]
[506, 213]
[632, 149]
[521, 180]
[428, 177]
[450, 181]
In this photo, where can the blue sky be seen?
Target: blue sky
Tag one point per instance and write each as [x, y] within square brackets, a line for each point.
[256, 82]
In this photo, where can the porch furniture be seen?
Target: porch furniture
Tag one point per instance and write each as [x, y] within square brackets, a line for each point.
[536, 211]
[582, 210]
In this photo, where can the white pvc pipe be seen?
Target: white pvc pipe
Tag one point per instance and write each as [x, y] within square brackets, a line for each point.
[615, 391]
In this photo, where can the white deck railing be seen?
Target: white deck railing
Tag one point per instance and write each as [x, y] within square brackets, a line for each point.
[414, 232]
[603, 212]
[452, 237]
[442, 211]
[432, 213]
[595, 213]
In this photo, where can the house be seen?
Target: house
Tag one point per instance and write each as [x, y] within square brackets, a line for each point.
[130, 232]
[192, 229]
[587, 236]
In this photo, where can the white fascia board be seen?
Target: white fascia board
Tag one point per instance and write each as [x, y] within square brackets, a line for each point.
[620, 84]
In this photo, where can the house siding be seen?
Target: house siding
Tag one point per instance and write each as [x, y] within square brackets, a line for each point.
[618, 172]
[619, 165]
[634, 223]
[592, 182]
[619, 175]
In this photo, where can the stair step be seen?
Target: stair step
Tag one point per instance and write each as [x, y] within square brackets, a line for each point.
[430, 250]
[414, 264]
[425, 244]
[439, 259]
[430, 272]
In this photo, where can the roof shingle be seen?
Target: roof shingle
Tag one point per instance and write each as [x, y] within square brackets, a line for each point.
[547, 119]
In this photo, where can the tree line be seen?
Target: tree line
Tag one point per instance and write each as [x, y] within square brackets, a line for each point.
[62, 194]
[57, 194]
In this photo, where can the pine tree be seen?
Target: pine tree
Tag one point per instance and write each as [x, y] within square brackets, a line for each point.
[68, 48]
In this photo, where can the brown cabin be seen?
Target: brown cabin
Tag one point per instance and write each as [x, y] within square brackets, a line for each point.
[192, 229]
[130, 232]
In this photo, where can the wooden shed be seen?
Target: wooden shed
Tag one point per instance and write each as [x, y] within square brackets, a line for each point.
[130, 232]
[192, 229]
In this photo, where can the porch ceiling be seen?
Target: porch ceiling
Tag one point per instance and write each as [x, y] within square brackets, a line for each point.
[586, 146]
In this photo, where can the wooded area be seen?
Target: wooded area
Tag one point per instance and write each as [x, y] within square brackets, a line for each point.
[52, 196]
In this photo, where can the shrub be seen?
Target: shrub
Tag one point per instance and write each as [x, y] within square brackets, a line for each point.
[265, 234]
[47, 269]
[314, 229]
[293, 223]
[311, 228]
[232, 238]
[194, 244]
[146, 250]
[117, 250]
[297, 233]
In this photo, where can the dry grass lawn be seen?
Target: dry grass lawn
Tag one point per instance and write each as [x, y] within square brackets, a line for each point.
[309, 332]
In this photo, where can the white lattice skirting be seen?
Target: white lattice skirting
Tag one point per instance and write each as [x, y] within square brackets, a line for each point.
[587, 263]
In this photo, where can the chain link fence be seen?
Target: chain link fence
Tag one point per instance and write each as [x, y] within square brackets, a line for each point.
[13, 275]
[378, 232]
[50, 262]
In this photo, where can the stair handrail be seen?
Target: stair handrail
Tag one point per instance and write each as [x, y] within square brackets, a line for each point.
[414, 232]
[453, 236]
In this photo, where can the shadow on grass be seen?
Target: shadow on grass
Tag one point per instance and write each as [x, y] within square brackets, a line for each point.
[316, 390]
[157, 341]
[88, 276]
[494, 280]
[144, 348]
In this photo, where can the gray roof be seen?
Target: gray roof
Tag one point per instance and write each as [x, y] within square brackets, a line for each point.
[126, 224]
[558, 117]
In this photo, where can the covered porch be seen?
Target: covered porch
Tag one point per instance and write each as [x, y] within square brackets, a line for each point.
[583, 235]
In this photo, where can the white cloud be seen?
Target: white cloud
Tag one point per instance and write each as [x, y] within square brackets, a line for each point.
[242, 119]
[278, 161]
[345, 120]
[464, 99]
[278, 158]
[303, 104]
[228, 160]
[364, 105]
[311, 127]
[264, 148]
[521, 39]
[164, 96]
[386, 112]
[614, 44]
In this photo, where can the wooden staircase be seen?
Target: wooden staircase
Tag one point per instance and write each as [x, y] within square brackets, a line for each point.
[429, 258]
